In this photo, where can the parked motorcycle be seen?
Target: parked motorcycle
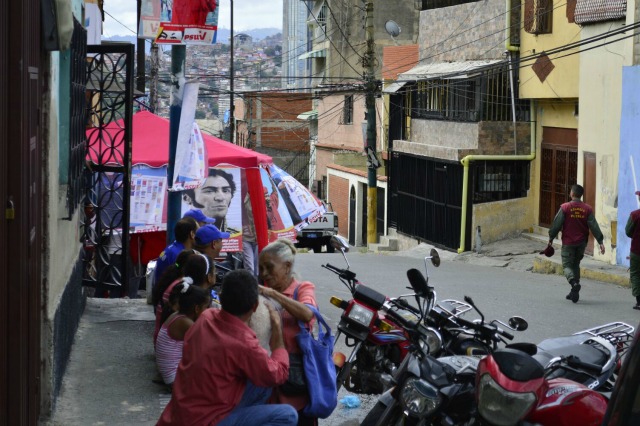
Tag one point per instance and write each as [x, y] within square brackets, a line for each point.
[434, 391]
[562, 381]
[378, 328]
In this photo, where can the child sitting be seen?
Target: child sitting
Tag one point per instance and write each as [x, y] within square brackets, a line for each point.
[191, 301]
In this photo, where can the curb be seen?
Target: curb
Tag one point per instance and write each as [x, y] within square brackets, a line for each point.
[608, 274]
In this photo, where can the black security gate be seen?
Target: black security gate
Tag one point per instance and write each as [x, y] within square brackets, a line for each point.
[425, 197]
[108, 167]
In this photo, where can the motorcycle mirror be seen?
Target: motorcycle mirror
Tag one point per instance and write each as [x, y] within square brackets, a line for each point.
[339, 243]
[518, 323]
[435, 257]
[418, 283]
[469, 300]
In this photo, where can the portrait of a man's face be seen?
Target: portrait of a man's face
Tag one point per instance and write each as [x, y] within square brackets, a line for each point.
[216, 196]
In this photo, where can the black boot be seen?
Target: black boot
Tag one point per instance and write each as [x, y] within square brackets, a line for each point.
[574, 294]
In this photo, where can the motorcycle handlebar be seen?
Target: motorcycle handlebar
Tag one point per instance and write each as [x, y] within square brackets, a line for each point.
[484, 328]
[405, 323]
[342, 273]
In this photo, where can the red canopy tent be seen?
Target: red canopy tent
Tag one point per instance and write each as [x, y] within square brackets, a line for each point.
[150, 146]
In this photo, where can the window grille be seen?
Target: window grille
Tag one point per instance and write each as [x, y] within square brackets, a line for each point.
[347, 110]
[538, 16]
[77, 117]
[499, 180]
[485, 97]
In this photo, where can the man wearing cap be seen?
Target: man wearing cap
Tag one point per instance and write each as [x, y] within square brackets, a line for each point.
[208, 240]
[633, 231]
[185, 232]
[575, 219]
[199, 217]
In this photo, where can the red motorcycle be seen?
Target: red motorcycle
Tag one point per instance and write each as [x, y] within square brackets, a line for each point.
[564, 384]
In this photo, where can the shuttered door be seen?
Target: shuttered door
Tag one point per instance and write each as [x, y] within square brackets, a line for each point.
[558, 170]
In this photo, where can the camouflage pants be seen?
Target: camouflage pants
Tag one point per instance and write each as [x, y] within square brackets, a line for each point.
[571, 257]
[634, 272]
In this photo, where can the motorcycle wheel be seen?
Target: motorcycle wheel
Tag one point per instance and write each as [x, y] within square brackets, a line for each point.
[377, 416]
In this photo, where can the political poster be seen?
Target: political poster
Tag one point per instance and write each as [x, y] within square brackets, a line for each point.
[187, 22]
[150, 17]
[148, 199]
[220, 197]
[302, 205]
[279, 221]
[191, 159]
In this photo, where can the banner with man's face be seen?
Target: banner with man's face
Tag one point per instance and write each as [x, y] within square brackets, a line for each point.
[220, 197]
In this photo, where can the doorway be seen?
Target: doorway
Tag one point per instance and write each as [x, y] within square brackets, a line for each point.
[558, 170]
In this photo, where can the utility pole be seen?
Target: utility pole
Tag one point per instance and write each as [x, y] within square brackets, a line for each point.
[178, 59]
[140, 56]
[153, 78]
[370, 101]
[232, 121]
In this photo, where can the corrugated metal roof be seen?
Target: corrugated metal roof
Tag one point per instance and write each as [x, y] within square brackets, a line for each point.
[447, 70]
[590, 11]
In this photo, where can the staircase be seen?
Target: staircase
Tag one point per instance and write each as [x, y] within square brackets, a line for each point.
[386, 244]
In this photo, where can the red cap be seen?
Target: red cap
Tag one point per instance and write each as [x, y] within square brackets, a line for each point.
[549, 251]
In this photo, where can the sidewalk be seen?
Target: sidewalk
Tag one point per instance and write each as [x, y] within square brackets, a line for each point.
[522, 254]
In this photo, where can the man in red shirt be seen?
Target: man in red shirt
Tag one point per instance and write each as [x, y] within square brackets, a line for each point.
[225, 377]
[632, 229]
[575, 219]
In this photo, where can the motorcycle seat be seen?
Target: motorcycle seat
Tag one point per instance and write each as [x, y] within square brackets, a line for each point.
[586, 353]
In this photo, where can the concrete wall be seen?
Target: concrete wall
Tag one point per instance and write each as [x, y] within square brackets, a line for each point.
[599, 129]
[471, 31]
[501, 219]
[562, 82]
[62, 294]
[338, 196]
[451, 140]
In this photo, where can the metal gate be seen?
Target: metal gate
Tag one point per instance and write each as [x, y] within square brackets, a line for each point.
[426, 199]
[108, 168]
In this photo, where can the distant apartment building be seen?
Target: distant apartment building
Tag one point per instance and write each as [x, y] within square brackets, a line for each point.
[294, 44]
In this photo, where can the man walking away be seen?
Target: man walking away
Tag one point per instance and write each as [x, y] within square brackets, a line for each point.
[633, 231]
[575, 219]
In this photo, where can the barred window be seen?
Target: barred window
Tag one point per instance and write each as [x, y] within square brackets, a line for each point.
[538, 16]
[347, 110]
[485, 97]
[499, 180]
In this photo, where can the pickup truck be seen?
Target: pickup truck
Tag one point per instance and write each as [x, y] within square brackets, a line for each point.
[318, 233]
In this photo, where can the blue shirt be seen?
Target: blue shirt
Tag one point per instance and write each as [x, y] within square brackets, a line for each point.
[167, 258]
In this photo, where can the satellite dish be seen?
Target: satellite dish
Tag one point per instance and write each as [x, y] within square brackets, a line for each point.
[392, 28]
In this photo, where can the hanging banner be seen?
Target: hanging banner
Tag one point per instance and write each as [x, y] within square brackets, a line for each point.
[150, 18]
[191, 160]
[187, 22]
[279, 221]
[220, 197]
[302, 205]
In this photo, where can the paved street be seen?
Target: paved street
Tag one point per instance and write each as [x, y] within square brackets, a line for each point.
[108, 380]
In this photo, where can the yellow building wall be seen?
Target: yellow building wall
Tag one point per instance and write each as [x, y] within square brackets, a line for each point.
[562, 82]
[502, 219]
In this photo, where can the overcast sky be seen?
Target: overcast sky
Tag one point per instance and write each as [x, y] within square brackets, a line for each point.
[247, 15]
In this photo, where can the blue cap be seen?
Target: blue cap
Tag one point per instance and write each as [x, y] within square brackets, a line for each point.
[209, 233]
[198, 216]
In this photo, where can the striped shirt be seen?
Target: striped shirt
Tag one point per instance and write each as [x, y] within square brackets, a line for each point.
[168, 352]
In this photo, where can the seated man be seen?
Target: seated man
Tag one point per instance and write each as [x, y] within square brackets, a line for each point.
[199, 217]
[185, 233]
[225, 377]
